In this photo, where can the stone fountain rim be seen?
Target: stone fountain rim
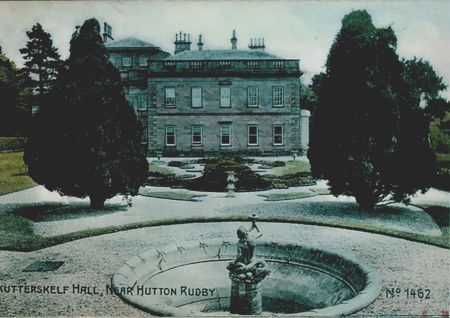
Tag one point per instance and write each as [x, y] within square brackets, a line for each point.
[364, 298]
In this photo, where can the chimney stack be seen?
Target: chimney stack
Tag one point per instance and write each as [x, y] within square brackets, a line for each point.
[200, 43]
[234, 41]
[182, 42]
[257, 44]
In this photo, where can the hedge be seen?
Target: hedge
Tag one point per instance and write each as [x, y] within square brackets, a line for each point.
[9, 144]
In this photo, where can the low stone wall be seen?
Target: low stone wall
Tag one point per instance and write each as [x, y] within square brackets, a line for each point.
[328, 283]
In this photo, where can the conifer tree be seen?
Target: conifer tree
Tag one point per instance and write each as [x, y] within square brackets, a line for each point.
[86, 141]
[370, 137]
[42, 61]
[9, 96]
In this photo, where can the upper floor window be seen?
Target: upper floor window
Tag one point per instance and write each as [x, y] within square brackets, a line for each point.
[278, 135]
[225, 96]
[277, 96]
[196, 96]
[197, 135]
[196, 65]
[126, 61]
[170, 97]
[252, 136]
[252, 65]
[143, 61]
[252, 96]
[171, 138]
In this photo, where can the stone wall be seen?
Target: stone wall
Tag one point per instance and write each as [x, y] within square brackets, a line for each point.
[211, 115]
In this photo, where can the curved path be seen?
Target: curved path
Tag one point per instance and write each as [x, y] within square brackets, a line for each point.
[91, 261]
[77, 216]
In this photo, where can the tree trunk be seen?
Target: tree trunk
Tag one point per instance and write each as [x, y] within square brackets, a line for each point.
[97, 201]
[366, 204]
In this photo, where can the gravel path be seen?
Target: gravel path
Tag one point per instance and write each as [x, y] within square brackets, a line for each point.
[91, 262]
[323, 207]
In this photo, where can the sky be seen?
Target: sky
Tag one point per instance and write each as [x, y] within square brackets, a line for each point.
[302, 30]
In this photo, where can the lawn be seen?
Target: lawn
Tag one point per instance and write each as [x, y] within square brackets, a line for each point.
[172, 195]
[158, 169]
[13, 175]
[292, 167]
[17, 234]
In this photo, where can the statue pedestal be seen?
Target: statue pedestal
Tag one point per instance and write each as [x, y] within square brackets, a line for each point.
[246, 298]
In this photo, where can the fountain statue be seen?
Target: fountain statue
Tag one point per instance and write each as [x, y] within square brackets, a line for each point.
[246, 273]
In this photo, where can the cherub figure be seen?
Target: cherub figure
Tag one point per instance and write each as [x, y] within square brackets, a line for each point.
[245, 264]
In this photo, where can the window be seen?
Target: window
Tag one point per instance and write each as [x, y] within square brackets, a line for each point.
[171, 136]
[252, 135]
[143, 61]
[126, 61]
[277, 96]
[196, 94]
[278, 135]
[252, 96]
[225, 96]
[141, 101]
[170, 97]
[225, 135]
[197, 135]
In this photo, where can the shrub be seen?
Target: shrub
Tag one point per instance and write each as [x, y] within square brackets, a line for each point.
[278, 163]
[11, 143]
[175, 163]
[214, 177]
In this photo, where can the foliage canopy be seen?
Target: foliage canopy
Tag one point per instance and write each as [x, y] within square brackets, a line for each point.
[370, 137]
[86, 141]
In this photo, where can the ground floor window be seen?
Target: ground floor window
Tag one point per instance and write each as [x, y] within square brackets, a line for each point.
[171, 135]
[225, 135]
[278, 135]
[252, 135]
[197, 135]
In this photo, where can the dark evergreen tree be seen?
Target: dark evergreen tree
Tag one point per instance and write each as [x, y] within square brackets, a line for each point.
[42, 61]
[370, 138]
[86, 141]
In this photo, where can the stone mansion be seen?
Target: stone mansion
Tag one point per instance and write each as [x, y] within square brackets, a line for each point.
[210, 102]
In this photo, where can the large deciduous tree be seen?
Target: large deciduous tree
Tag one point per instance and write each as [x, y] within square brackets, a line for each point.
[86, 141]
[370, 137]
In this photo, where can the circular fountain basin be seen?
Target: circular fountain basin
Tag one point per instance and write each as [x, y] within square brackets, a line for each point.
[193, 280]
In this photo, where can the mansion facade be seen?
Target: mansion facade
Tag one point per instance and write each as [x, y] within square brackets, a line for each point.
[211, 102]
